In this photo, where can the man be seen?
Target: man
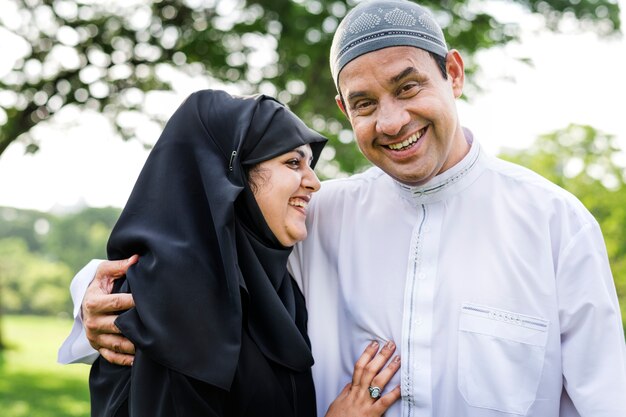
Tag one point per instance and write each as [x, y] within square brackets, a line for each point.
[493, 282]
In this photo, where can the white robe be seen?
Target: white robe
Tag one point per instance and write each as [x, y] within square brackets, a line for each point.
[493, 282]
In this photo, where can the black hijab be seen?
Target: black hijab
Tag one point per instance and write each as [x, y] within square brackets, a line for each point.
[204, 245]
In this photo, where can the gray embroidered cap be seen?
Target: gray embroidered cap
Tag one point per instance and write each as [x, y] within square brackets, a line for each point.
[374, 25]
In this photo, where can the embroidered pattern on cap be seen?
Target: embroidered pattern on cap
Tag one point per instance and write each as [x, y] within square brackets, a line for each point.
[400, 18]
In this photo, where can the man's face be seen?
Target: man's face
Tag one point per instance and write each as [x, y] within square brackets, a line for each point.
[403, 111]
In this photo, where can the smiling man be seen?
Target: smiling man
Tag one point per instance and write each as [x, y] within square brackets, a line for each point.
[493, 282]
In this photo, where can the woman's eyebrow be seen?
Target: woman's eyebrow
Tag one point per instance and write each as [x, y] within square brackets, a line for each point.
[303, 155]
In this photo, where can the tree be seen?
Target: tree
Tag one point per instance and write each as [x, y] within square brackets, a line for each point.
[75, 237]
[39, 252]
[32, 284]
[587, 163]
[105, 55]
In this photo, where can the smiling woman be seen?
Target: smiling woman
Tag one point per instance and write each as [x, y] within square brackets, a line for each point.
[288, 182]
[219, 325]
[210, 243]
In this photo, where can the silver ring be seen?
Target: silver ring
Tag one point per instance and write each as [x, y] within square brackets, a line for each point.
[374, 392]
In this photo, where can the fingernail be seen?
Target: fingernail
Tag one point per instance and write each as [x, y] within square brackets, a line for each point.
[374, 343]
[396, 359]
[390, 345]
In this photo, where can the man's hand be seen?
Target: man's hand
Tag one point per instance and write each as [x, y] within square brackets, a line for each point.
[100, 309]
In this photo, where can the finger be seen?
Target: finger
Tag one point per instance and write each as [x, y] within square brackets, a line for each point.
[116, 343]
[345, 391]
[375, 365]
[115, 269]
[108, 303]
[97, 325]
[109, 271]
[386, 401]
[117, 358]
[361, 363]
[384, 376]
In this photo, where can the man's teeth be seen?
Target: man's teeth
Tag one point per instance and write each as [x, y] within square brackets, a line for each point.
[298, 203]
[410, 141]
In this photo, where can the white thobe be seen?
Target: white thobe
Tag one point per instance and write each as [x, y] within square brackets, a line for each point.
[493, 282]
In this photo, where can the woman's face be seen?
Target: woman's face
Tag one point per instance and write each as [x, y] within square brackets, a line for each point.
[283, 189]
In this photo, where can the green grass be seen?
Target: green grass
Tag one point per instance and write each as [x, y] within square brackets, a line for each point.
[32, 384]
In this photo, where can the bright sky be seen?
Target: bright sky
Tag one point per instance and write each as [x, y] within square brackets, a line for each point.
[576, 78]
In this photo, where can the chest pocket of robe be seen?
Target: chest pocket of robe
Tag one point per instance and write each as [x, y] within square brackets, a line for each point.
[501, 356]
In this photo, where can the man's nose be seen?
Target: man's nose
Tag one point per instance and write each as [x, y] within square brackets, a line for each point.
[392, 117]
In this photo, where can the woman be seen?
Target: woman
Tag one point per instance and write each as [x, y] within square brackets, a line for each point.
[219, 326]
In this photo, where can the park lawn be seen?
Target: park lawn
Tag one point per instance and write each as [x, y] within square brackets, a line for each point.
[32, 384]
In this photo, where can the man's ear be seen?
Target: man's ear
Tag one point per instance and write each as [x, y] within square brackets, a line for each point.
[341, 104]
[456, 71]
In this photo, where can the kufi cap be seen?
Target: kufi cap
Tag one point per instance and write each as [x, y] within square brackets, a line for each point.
[374, 25]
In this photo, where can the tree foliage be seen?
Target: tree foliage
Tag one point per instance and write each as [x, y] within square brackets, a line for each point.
[40, 252]
[104, 55]
[32, 284]
[591, 166]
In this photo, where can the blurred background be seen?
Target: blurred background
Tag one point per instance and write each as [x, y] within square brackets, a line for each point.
[85, 87]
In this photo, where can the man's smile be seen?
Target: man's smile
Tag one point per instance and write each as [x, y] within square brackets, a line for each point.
[407, 143]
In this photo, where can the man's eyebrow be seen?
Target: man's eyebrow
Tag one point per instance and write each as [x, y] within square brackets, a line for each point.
[405, 73]
[393, 80]
[355, 95]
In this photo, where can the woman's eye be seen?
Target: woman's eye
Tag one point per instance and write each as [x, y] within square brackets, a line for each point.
[293, 163]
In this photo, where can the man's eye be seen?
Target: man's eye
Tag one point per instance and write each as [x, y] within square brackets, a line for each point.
[363, 104]
[407, 88]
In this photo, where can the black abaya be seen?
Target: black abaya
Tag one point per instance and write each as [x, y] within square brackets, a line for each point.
[260, 388]
[219, 326]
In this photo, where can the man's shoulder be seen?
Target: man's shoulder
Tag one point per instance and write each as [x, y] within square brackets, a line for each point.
[525, 177]
[535, 189]
[339, 193]
[354, 183]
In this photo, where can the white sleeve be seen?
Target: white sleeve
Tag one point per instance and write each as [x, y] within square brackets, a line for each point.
[294, 266]
[76, 347]
[592, 336]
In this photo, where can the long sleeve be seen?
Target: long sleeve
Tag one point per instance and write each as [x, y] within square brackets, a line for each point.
[592, 337]
[76, 348]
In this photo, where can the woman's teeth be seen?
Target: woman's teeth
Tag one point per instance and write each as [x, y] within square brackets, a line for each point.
[298, 202]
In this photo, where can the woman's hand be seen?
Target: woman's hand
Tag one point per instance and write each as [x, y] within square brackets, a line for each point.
[100, 309]
[358, 398]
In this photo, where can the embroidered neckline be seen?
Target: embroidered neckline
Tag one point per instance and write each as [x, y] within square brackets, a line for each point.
[437, 188]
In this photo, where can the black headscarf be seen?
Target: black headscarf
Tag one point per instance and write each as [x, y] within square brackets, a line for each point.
[203, 243]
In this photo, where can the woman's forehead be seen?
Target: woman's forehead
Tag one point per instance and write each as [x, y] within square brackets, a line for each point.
[304, 150]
